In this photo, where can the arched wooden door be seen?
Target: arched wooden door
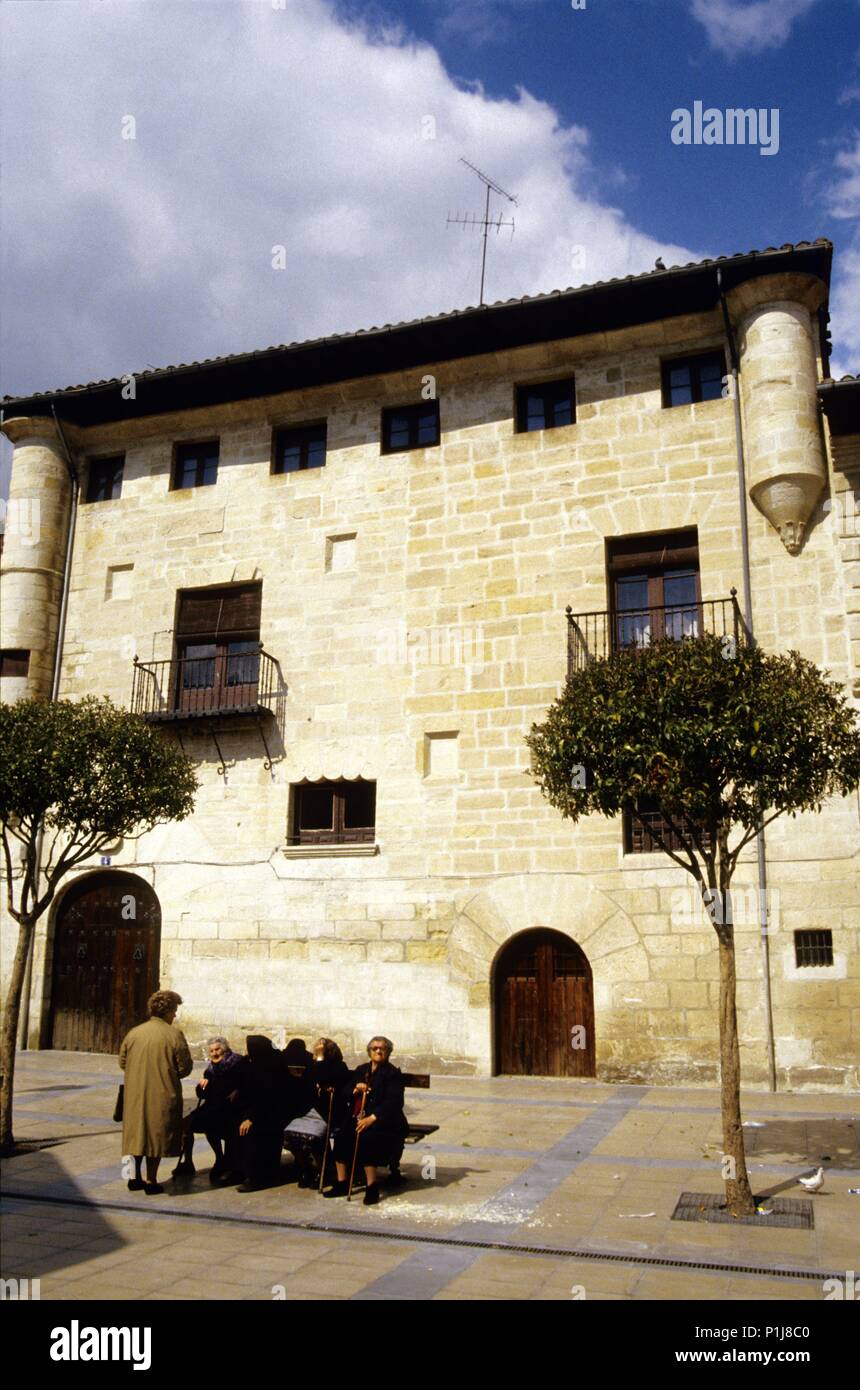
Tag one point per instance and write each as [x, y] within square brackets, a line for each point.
[107, 942]
[544, 1003]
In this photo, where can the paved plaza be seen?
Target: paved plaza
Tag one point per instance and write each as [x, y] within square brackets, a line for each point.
[532, 1188]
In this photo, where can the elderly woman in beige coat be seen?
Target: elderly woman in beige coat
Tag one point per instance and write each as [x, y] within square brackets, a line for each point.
[154, 1057]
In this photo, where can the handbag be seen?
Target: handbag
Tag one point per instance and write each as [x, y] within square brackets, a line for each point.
[309, 1126]
[120, 1097]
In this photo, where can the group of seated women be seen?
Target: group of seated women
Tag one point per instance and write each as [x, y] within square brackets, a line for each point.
[336, 1123]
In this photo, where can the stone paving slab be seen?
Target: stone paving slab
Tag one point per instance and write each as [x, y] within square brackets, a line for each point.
[561, 1166]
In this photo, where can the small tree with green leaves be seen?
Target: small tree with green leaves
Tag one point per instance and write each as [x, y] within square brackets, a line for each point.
[724, 739]
[74, 778]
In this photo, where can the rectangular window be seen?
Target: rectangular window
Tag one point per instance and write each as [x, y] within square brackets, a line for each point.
[687, 380]
[14, 662]
[299, 447]
[334, 813]
[546, 405]
[639, 838]
[813, 947]
[195, 465]
[654, 587]
[104, 479]
[218, 649]
[410, 427]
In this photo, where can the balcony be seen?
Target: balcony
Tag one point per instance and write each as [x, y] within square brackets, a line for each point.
[205, 687]
[591, 636]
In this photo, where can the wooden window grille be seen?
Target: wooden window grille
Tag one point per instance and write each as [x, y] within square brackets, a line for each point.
[640, 838]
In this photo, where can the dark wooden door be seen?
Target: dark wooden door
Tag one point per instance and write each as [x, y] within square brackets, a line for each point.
[106, 949]
[544, 1007]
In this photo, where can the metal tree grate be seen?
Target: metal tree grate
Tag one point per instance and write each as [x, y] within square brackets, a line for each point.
[711, 1206]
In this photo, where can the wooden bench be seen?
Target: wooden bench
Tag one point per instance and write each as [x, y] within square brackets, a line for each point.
[420, 1081]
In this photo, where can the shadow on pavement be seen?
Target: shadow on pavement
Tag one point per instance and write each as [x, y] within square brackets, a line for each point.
[809, 1143]
[42, 1238]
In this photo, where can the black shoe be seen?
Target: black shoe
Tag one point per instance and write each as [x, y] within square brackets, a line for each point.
[216, 1175]
[152, 1189]
[249, 1187]
[371, 1195]
[136, 1184]
[305, 1180]
[395, 1178]
[184, 1169]
[339, 1189]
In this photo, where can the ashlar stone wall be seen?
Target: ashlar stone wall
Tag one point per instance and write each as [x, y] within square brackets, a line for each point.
[419, 655]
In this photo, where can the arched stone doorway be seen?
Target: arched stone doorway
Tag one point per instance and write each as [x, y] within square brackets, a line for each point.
[544, 1006]
[107, 942]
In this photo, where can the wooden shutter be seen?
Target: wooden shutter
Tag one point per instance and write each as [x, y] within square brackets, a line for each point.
[231, 611]
[14, 663]
[645, 552]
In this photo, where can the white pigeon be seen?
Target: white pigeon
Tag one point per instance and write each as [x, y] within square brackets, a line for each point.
[815, 1183]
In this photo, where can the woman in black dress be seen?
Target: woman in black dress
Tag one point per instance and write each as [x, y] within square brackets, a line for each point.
[379, 1126]
[268, 1098]
[305, 1136]
[216, 1115]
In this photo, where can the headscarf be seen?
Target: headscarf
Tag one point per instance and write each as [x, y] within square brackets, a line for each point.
[262, 1051]
[296, 1053]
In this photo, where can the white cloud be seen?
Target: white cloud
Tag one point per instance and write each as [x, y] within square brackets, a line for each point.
[258, 127]
[748, 27]
[845, 311]
[844, 195]
[480, 22]
[842, 200]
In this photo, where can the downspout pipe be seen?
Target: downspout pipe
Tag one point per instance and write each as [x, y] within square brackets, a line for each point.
[734, 360]
[74, 483]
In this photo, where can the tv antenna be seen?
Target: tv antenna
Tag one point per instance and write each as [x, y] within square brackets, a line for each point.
[485, 222]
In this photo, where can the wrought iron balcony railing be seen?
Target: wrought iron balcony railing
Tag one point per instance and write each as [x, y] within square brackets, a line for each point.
[201, 687]
[594, 635]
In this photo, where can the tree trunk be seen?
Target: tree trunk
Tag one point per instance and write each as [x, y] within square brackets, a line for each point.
[9, 1036]
[739, 1198]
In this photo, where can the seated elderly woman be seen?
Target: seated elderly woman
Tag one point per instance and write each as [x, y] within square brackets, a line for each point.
[217, 1114]
[373, 1124]
[296, 1056]
[269, 1097]
[305, 1137]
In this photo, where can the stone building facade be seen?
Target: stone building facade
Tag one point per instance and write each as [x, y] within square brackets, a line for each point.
[411, 609]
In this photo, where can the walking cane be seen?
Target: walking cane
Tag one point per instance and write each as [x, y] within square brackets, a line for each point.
[357, 1138]
[327, 1133]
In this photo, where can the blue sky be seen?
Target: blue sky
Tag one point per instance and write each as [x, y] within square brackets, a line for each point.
[619, 67]
[189, 178]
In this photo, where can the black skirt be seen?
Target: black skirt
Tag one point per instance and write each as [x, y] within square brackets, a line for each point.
[376, 1146]
[217, 1120]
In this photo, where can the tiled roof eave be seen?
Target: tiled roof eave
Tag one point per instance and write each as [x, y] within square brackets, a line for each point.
[602, 306]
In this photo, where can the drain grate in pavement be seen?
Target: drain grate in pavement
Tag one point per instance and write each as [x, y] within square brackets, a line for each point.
[711, 1206]
[601, 1256]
